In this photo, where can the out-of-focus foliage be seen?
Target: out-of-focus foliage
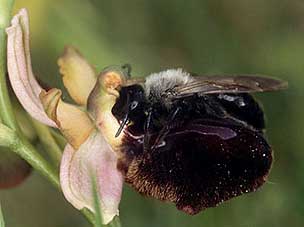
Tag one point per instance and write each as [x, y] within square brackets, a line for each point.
[2, 224]
[212, 36]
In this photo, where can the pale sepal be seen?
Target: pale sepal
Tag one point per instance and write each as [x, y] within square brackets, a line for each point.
[79, 77]
[20, 71]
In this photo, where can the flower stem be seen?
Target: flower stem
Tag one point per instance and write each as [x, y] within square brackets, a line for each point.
[89, 216]
[61, 141]
[22, 147]
[29, 153]
[6, 109]
[9, 138]
[48, 142]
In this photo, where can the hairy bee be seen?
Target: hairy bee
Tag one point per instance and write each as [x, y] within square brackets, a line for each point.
[195, 141]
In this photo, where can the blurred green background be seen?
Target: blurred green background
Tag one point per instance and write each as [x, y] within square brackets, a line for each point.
[211, 36]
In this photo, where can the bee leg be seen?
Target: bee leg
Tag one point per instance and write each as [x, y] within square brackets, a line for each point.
[147, 134]
[164, 131]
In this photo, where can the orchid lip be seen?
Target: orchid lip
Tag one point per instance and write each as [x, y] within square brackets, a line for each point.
[93, 156]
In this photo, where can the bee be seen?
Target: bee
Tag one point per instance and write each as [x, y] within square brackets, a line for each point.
[195, 141]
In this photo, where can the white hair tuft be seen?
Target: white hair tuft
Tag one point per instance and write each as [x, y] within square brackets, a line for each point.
[157, 84]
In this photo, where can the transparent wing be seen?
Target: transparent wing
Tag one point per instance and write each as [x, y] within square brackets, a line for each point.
[228, 84]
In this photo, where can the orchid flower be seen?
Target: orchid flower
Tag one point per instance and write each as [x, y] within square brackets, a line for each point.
[92, 146]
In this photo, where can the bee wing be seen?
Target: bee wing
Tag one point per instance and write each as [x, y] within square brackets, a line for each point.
[228, 84]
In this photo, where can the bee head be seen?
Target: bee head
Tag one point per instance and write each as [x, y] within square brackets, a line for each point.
[130, 106]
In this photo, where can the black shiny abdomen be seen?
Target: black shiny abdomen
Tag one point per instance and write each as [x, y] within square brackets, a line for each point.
[197, 171]
[213, 150]
[243, 107]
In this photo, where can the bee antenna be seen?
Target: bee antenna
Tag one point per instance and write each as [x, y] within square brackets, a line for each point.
[127, 68]
[125, 119]
[122, 125]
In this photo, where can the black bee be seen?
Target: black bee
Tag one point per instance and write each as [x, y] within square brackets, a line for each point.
[195, 141]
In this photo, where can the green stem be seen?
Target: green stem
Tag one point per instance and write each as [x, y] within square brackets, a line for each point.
[29, 153]
[9, 138]
[48, 142]
[22, 147]
[6, 109]
[98, 217]
[89, 215]
[61, 141]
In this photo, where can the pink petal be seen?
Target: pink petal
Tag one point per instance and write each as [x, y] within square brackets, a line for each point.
[20, 71]
[94, 156]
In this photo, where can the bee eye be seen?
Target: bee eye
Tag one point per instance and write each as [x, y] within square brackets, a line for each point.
[133, 105]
